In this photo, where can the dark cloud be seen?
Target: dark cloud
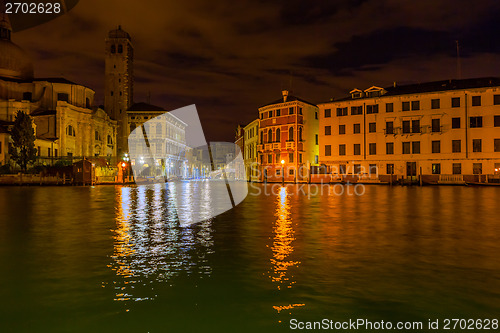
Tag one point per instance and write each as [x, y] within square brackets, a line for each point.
[229, 57]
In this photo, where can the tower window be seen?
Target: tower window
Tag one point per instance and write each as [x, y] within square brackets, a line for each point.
[120, 48]
[113, 48]
[111, 93]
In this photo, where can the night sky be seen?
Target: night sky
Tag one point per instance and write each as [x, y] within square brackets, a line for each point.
[230, 57]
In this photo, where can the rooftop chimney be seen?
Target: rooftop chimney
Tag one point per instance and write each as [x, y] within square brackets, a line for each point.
[285, 95]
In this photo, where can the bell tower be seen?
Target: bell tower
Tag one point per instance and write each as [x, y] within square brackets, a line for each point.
[119, 82]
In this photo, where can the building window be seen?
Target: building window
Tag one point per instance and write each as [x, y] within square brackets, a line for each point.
[316, 115]
[476, 122]
[341, 129]
[372, 108]
[113, 48]
[389, 127]
[357, 149]
[406, 127]
[290, 134]
[415, 126]
[328, 150]
[455, 122]
[406, 106]
[357, 169]
[390, 169]
[328, 113]
[290, 172]
[300, 134]
[436, 147]
[372, 148]
[112, 93]
[278, 135]
[110, 140]
[342, 150]
[55, 152]
[355, 110]
[389, 148]
[477, 168]
[372, 127]
[278, 172]
[415, 147]
[278, 112]
[476, 145]
[356, 128]
[270, 135]
[328, 130]
[97, 136]
[415, 105]
[316, 158]
[49, 153]
[270, 114]
[456, 146]
[120, 48]
[300, 110]
[406, 147]
[290, 110]
[63, 97]
[496, 99]
[455, 102]
[316, 139]
[342, 169]
[270, 158]
[290, 157]
[389, 107]
[262, 116]
[496, 145]
[476, 100]
[435, 103]
[278, 158]
[341, 112]
[70, 130]
[496, 120]
[436, 168]
[457, 168]
[436, 125]
[39, 151]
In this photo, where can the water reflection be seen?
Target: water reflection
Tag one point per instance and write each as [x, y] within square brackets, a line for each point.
[282, 246]
[150, 246]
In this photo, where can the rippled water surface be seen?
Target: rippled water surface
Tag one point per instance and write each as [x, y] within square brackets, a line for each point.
[109, 259]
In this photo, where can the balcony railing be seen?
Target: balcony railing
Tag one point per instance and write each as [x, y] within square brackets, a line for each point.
[276, 145]
[290, 145]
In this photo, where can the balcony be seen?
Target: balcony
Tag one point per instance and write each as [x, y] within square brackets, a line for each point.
[276, 145]
[290, 145]
[268, 146]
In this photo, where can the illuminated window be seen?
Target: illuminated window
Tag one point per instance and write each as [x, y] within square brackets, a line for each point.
[436, 168]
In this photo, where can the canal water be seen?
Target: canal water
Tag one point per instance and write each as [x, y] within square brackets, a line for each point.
[114, 258]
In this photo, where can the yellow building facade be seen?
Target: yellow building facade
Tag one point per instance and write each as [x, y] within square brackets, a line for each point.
[445, 132]
[251, 134]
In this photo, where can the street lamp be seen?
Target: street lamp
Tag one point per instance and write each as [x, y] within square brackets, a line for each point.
[282, 173]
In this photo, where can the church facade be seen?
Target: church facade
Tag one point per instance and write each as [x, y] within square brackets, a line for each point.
[65, 121]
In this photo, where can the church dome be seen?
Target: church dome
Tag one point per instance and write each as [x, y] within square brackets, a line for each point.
[14, 62]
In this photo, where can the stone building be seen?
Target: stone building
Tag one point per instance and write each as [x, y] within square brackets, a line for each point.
[288, 139]
[446, 131]
[65, 122]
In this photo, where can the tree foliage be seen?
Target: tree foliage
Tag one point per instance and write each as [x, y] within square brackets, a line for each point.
[22, 146]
